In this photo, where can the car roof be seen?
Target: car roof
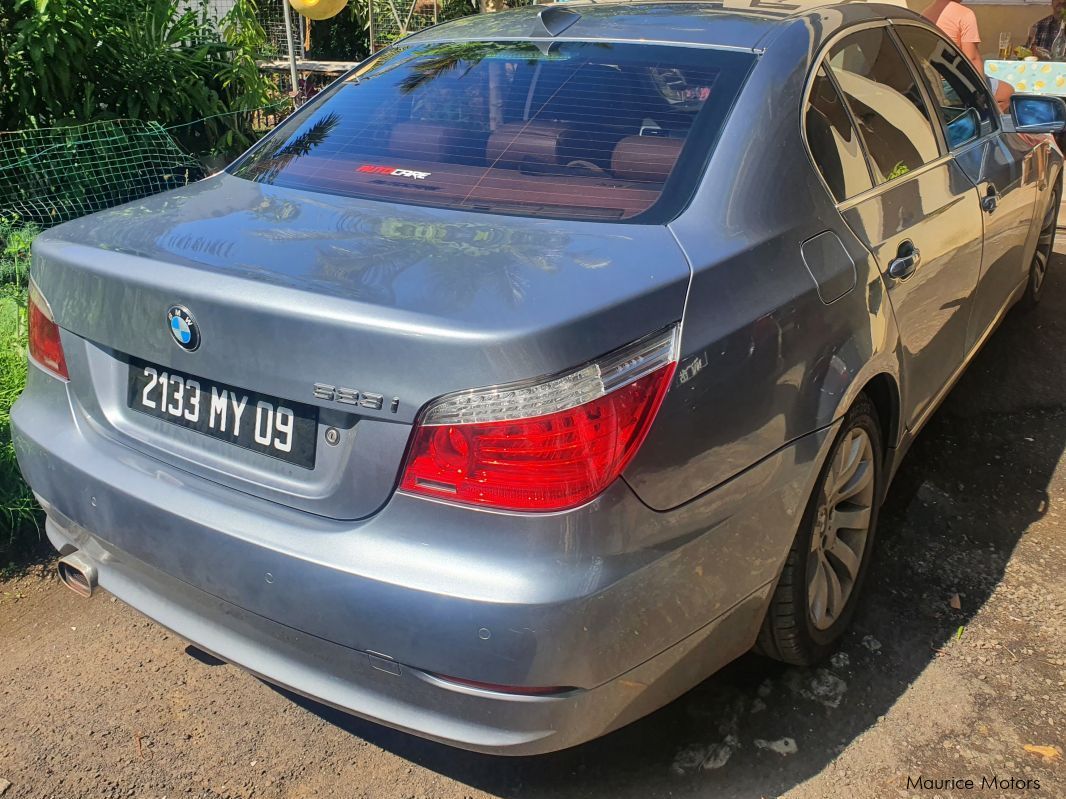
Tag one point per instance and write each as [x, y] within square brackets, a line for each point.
[738, 24]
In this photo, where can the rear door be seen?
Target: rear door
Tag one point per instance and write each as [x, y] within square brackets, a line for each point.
[997, 164]
[922, 219]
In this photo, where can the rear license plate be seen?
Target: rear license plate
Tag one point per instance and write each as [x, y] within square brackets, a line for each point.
[268, 425]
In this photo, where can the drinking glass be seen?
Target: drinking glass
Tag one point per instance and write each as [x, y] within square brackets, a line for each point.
[1004, 45]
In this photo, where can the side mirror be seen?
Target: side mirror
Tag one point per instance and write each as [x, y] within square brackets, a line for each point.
[964, 128]
[1038, 113]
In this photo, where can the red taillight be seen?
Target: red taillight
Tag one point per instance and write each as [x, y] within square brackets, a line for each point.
[46, 349]
[548, 450]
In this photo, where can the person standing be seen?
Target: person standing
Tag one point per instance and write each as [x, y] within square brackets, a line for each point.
[959, 23]
[1044, 31]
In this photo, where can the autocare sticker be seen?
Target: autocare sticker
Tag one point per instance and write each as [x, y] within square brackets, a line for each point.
[393, 171]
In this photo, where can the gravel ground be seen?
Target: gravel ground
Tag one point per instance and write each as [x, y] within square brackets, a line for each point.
[956, 663]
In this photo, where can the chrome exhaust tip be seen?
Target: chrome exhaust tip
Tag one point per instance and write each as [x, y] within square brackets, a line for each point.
[77, 573]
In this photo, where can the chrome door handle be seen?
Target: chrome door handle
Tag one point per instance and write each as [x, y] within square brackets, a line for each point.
[989, 201]
[906, 261]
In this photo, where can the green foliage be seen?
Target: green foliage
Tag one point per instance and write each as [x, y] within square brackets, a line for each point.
[15, 240]
[19, 513]
[244, 87]
[169, 58]
[454, 9]
[164, 61]
[345, 37]
[898, 171]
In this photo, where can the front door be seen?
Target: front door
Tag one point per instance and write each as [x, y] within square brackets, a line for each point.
[922, 222]
[1007, 170]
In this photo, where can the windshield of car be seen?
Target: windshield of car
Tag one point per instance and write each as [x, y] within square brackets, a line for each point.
[581, 130]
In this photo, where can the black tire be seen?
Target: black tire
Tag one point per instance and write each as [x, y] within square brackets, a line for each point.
[1038, 268]
[789, 632]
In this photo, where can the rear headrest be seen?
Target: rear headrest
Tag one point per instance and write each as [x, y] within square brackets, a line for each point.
[518, 143]
[429, 141]
[645, 158]
[601, 98]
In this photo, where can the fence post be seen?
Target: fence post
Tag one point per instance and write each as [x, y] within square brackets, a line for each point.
[292, 52]
[370, 21]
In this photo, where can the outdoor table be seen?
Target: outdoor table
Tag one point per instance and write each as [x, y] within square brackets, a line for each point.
[1032, 77]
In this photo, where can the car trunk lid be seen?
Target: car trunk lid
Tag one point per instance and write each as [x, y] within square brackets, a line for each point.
[291, 290]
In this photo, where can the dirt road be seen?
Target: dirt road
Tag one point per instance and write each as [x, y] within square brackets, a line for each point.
[95, 701]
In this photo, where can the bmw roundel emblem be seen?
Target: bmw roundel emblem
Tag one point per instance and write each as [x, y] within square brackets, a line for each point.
[183, 328]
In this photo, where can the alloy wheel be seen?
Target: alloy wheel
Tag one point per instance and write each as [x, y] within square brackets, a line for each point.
[841, 529]
[1045, 243]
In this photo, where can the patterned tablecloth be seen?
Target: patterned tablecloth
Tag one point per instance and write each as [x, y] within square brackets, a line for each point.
[1033, 77]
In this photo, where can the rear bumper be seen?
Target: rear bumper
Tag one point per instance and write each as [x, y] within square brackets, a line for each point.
[625, 606]
[407, 698]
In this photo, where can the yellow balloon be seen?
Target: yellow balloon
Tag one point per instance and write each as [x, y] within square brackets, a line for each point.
[318, 9]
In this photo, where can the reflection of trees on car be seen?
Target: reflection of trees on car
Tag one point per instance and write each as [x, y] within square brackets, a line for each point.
[494, 258]
[433, 62]
[278, 154]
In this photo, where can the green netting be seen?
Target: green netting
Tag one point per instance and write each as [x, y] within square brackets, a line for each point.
[393, 19]
[50, 175]
[271, 17]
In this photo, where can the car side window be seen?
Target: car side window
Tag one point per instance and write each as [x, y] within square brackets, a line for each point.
[964, 104]
[833, 142]
[885, 102]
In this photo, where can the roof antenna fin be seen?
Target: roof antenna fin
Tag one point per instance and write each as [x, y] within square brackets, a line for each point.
[556, 20]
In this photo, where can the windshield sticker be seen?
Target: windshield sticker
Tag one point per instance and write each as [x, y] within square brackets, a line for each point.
[393, 171]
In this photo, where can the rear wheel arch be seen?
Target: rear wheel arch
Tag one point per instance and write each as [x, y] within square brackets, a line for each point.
[883, 392]
[882, 382]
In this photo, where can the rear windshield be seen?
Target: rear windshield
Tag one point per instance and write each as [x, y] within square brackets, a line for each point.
[580, 130]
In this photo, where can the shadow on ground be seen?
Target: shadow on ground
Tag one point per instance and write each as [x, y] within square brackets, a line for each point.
[974, 481]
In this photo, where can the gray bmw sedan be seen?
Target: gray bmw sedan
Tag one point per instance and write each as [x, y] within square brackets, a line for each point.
[541, 365]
